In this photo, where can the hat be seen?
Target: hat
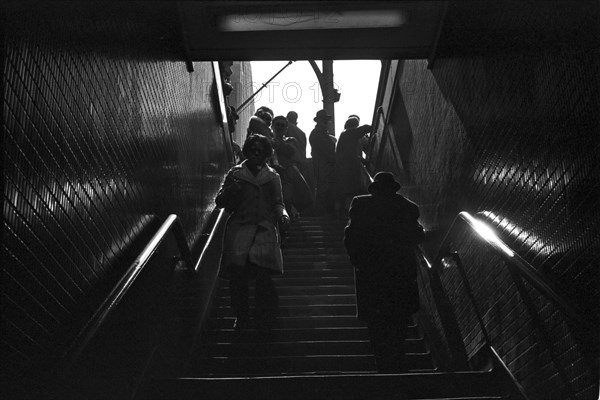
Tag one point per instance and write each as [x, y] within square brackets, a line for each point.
[384, 181]
[322, 116]
[351, 122]
[354, 116]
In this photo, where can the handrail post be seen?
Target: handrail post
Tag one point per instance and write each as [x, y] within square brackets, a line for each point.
[542, 334]
[184, 248]
[448, 320]
[463, 274]
[219, 223]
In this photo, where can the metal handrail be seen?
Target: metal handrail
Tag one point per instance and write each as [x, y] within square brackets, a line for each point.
[171, 224]
[219, 225]
[524, 268]
[521, 268]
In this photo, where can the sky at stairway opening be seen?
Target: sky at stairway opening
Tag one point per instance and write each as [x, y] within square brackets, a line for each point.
[297, 89]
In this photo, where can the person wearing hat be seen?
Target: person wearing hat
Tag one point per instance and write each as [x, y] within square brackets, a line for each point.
[380, 239]
[348, 164]
[323, 157]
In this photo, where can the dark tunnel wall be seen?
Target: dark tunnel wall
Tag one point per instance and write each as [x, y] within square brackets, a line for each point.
[103, 128]
[517, 138]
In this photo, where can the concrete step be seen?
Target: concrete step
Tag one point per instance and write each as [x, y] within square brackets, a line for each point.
[309, 278]
[411, 386]
[301, 322]
[302, 328]
[290, 364]
[292, 348]
[287, 334]
[295, 290]
[303, 300]
[304, 264]
[315, 273]
[253, 346]
[300, 311]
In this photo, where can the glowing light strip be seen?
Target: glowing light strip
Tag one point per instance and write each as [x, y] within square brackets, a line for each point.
[488, 234]
[247, 22]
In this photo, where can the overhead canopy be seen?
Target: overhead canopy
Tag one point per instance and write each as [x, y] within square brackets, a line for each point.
[283, 30]
[310, 30]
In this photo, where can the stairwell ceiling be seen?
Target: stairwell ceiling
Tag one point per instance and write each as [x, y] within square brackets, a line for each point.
[283, 30]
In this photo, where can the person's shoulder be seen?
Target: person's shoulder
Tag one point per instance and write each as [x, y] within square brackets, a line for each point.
[295, 129]
[236, 168]
[299, 131]
[271, 172]
[406, 202]
[363, 198]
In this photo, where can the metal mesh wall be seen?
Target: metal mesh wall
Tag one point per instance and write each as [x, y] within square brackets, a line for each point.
[103, 129]
[516, 139]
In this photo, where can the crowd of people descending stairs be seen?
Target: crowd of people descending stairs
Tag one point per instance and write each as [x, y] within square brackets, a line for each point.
[336, 322]
[379, 238]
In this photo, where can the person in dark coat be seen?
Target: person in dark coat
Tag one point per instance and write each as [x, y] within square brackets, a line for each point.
[252, 194]
[380, 239]
[300, 156]
[260, 123]
[348, 164]
[298, 134]
[296, 193]
[323, 157]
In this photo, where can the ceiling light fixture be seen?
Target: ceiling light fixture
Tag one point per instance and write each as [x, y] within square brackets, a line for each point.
[245, 22]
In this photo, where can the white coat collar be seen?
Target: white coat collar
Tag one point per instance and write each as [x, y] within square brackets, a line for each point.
[264, 175]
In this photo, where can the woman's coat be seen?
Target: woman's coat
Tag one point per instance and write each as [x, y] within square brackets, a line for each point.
[256, 204]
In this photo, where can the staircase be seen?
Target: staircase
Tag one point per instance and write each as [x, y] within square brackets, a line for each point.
[318, 348]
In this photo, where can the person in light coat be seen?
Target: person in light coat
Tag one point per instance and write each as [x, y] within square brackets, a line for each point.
[252, 193]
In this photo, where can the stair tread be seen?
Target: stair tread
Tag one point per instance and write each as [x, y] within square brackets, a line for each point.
[426, 385]
[316, 330]
[318, 349]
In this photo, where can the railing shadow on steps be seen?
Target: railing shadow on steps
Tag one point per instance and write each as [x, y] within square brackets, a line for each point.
[441, 313]
[139, 327]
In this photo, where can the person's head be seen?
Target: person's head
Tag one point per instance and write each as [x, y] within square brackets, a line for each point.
[383, 183]
[351, 122]
[280, 126]
[292, 117]
[258, 125]
[257, 148]
[265, 113]
[322, 117]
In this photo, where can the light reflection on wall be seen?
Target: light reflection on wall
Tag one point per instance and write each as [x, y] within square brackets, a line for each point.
[545, 177]
[533, 241]
[488, 234]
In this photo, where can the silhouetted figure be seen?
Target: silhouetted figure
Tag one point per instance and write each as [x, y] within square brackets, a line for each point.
[252, 193]
[260, 123]
[323, 156]
[348, 164]
[296, 193]
[300, 157]
[380, 239]
[298, 134]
